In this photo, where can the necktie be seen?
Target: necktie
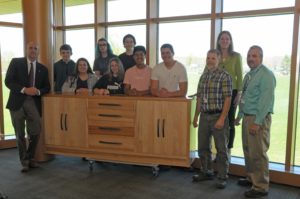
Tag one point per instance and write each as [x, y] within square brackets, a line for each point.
[31, 78]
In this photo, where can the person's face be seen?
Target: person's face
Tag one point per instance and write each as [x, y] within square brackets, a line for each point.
[166, 55]
[253, 58]
[82, 66]
[66, 55]
[114, 67]
[212, 61]
[102, 46]
[139, 58]
[32, 51]
[224, 41]
[129, 43]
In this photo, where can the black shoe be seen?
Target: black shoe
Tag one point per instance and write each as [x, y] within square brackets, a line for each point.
[255, 194]
[25, 166]
[221, 184]
[202, 177]
[33, 164]
[244, 182]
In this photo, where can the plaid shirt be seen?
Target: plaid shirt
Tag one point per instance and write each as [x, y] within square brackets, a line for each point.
[213, 88]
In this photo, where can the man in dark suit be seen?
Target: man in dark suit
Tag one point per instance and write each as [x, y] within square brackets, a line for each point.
[27, 80]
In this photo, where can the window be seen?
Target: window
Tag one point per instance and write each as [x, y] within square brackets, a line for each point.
[79, 13]
[277, 47]
[120, 10]
[233, 5]
[82, 43]
[190, 47]
[168, 8]
[116, 34]
[11, 42]
[11, 11]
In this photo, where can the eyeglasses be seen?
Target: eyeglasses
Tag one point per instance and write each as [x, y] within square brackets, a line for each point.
[102, 44]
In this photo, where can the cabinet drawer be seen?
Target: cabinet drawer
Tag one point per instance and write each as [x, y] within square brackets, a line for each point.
[111, 115]
[111, 128]
[111, 142]
[111, 104]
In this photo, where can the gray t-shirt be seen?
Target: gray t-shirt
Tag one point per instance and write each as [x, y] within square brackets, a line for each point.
[169, 78]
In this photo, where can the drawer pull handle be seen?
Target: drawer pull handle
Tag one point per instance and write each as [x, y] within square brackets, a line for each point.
[157, 127]
[109, 128]
[114, 143]
[61, 122]
[163, 128]
[66, 127]
[108, 104]
[108, 115]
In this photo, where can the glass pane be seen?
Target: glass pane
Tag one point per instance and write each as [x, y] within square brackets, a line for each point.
[277, 59]
[74, 12]
[121, 10]
[189, 49]
[11, 41]
[11, 11]
[297, 150]
[233, 5]
[169, 8]
[82, 43]
[116, 34]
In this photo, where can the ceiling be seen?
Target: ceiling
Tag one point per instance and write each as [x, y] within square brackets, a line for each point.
[15, 6]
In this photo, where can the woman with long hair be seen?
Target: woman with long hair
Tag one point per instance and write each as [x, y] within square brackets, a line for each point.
[112, 82]
[231, 62]
[83, 80]
[103, 54]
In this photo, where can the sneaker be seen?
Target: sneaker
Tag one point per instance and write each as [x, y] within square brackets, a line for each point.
[202, 177]
[255, 194]
[221, 184]
[244, 182]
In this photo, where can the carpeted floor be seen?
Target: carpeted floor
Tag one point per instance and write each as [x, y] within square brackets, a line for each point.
[70, 178]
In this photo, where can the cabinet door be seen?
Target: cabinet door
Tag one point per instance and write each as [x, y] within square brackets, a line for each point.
[65, 121]
[175, 128]
[163, 128]
[148, 127]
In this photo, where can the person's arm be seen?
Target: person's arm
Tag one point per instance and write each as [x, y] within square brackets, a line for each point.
[180, 93]
[266, 98]
[239, 79]
[141, 93]
[127, 89]
[197, 112]
[10, 77]
[154, 88]
[226, 105]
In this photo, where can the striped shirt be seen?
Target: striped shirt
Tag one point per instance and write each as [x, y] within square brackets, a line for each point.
[213, 88]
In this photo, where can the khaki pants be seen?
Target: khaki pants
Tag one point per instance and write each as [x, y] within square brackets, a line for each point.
[255, 151]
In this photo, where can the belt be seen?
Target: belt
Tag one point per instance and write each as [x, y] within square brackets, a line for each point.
[246, 114]
[212, 112]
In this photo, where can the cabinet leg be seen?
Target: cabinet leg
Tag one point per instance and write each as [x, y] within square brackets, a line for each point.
[155, 170]
[91, 165]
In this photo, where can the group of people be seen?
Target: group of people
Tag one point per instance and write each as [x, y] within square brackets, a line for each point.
[220, 90]
[124, 74]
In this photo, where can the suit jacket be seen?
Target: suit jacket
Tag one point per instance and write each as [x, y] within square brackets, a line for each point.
[17, 78]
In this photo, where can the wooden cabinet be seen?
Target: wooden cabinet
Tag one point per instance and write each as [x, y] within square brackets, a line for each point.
[138, 130]
[65, 121]
[163, 128]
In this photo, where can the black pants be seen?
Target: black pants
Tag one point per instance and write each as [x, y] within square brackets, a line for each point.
[231, 118]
